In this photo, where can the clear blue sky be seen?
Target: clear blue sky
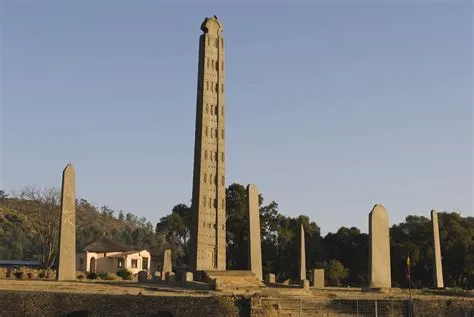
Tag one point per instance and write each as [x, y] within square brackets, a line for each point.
[331, 108]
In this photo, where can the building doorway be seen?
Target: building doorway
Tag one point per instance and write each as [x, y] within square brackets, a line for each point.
[92, 265]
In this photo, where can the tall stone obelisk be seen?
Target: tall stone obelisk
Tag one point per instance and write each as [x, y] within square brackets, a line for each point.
[379, 249]
[438, 266]
[67, 228]
[302, 260]
[208, 236]
[255, 243]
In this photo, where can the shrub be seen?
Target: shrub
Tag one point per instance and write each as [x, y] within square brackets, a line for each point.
[32, 275]
[18, 275]
[112, 277]
[47, 274]
[107, 276]
[125, 274]
[92, 275]
[81, 276]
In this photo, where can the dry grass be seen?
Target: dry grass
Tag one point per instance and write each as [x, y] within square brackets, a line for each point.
[133, 288]
[96, 287]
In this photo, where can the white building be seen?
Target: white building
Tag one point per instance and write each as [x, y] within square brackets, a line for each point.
[107, 256]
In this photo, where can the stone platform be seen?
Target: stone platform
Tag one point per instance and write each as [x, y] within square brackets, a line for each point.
[232, 280]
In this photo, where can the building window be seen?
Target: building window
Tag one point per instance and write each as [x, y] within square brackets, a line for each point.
[120, 263]
[222, 134]
[215, 133]
[205, 154]
[223, 180]
[207, 108]
[222, 111]
[203, 224]
[217, 65]
[207, 85]
[216, 87]
[209, 225]
[145, 263]
[215, 203]
[204, 202]
[216, 43]
[222, 156]
[134, 264]
[209, 201]
[205, 178]
[206, 131]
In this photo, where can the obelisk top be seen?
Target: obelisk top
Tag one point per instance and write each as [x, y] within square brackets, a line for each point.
[212, 26]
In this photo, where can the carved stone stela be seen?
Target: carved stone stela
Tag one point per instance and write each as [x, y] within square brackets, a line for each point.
[67, 229]
[208, 237]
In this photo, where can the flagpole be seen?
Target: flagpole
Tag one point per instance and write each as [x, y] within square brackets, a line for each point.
[409, 284]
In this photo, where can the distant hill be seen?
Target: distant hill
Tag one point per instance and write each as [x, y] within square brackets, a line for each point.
[29, 228]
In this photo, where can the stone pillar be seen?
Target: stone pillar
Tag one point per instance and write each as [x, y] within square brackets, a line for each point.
[255, 243]
[302, 261]
[67, 228]
[438, 266]
[379, 249]
[167, 264]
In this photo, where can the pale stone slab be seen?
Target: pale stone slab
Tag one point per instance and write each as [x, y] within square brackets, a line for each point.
[438, 266]
[318, 278]
[304, 284]
[67, 229]
[302, 260]
[218, 286]
[188, 277]
[255, 243]
[379, 248]
[167, 264]
[270, 278]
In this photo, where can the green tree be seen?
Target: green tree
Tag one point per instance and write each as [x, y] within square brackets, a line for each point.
[237, 227]
[176, 229]
[335, 272]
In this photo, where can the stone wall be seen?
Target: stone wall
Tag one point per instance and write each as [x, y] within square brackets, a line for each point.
[277, 307]
[28, 304]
